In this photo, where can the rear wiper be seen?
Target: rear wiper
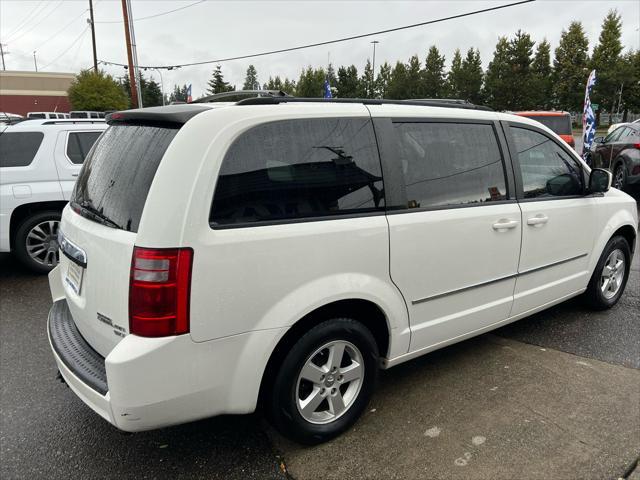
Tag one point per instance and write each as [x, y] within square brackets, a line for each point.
[88, 206]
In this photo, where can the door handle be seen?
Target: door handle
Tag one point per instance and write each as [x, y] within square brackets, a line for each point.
[75, 174]
[505, 224]
[539, 219]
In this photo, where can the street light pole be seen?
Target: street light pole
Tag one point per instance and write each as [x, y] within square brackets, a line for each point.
[35, 62]
[373, 66]
[161, 84]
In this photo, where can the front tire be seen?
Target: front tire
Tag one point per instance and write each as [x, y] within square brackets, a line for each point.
[325, 381]
[610, 275]
[36, 241]
[619, 177]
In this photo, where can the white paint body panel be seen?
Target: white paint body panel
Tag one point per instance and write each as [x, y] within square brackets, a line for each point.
[251, 284]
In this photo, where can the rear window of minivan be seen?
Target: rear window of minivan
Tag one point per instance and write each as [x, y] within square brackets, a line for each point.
[114, 182]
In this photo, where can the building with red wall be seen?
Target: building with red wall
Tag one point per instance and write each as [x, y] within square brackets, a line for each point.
[24, 92]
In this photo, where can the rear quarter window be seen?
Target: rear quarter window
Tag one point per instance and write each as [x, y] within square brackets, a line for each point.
[18, 149]
[299, 169]
[79, 144]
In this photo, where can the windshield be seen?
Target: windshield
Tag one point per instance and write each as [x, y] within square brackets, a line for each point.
[560, 124]
[115, 179]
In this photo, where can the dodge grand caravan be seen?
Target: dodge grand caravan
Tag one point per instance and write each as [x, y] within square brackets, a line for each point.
[278, 252]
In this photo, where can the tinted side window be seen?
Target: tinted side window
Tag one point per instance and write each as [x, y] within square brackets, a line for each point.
[299, 169]
[450, 164]
[17, 149]
[79, 144]
[613, 136]
[547, 170]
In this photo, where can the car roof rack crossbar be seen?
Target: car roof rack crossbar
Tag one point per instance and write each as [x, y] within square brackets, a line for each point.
[432, 102]
[237, 93]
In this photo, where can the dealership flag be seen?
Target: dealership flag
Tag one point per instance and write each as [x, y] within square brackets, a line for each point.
[327, 89]
[189, 97]
[588, 118]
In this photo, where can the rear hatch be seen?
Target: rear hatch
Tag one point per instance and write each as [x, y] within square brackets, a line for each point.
[99, 228]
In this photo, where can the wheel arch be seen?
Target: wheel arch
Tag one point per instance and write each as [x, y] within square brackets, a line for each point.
[366, 312]
[23, 212]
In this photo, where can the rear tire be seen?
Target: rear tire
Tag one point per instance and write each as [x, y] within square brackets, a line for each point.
[36, 242]
[610, 275]
[317, 392]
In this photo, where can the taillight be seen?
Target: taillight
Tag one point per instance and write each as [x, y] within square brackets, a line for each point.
[637, 145]
[159, 291]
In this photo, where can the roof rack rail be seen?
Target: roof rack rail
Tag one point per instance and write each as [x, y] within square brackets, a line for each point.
[439, 102]
[65, 121]
[239, 93]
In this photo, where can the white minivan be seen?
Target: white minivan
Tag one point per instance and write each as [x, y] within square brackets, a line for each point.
[279, 251]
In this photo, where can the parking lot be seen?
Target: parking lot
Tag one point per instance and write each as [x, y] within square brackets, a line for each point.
[554, 396]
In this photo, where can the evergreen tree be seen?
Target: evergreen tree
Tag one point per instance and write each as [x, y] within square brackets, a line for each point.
[273, 84]
[382, 80]
[630, 72]
[397, 89]
[217, 83]
[151, 92]
[607, 63]
[541, 77]
[495, 84]
[414, 85]
[179, 94]
[331, 76]
[367, 82]
[570, 69]
[289, 86]
[311, 83]
[348, 83]
[251, 79]
[455, 79]
[519, 76]
[471, 86]
[434, 78]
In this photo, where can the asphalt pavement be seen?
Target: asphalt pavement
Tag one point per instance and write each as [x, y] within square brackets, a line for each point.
[570, 396]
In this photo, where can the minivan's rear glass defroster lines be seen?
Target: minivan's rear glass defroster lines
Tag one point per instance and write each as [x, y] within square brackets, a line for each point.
[115, 179]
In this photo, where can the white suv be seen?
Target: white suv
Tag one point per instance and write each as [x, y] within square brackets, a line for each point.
[279, 251]
[39, 163]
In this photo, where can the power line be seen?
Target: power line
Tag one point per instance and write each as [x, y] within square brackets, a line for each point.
[329, 42]
[61, 30]
[46, 17]
[157, 14]
[86, 29]
[25, 20]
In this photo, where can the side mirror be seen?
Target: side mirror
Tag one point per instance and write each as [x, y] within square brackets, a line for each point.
[598, 140]
[599, 180]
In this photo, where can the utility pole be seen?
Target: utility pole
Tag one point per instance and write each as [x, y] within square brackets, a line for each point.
[2, 53]
[35, 62]
[134, 52]
[132, 74]
[93, 37]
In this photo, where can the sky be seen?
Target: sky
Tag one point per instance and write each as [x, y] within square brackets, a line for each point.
[57, 30]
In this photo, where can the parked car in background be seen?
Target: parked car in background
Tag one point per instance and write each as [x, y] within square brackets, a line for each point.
[281, 250]
[85, 114]
[558, 122]
[47, 115]
[613, 126]
[619, 152]
[39, 163]
[7, 118]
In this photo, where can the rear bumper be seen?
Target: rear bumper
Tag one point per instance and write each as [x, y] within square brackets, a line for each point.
[147, 383]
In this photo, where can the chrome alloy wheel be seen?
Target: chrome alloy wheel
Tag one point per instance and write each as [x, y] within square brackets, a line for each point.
[329, 382]
[612, 274]
[42, 243]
